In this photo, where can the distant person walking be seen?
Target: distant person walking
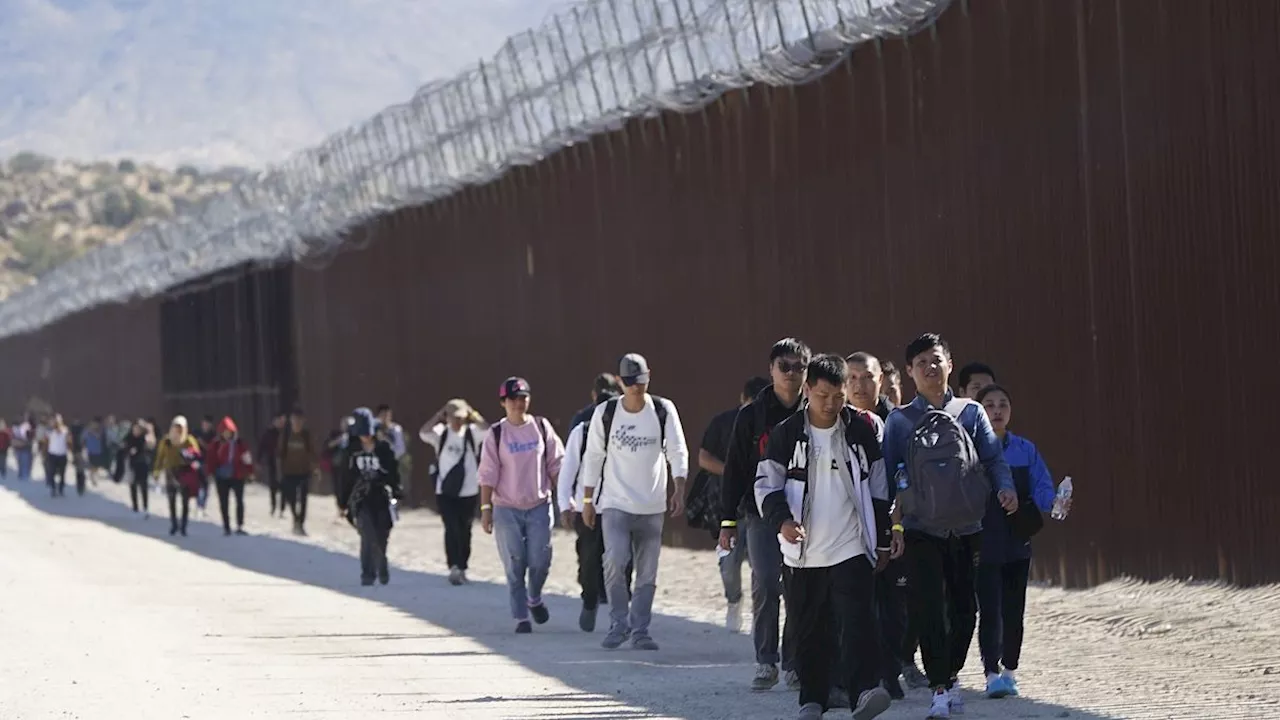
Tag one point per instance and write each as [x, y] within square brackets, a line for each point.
[178, 463]
[456, 434]
[139, 450]
[23, 437]
[231, 461]
[6, 439]
[269, 455]
[297, 458]
[371, 481]
[57, 448]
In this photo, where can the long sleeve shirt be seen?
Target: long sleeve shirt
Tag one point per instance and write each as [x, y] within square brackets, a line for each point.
[973, 418]
[568, 489]
[1034, 484]
[630, 474]
[522, 465]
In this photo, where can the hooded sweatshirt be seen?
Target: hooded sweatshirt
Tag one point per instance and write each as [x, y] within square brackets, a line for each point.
[297, 451]
[229, 459]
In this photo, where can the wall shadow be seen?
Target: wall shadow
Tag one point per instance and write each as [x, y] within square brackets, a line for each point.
[702, 670]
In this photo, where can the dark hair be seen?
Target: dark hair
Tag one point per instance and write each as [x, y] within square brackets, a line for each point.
[297, 410]
[787, 347]
[992, 388]
[829, 367]
[605, 382]
[974, 368]
[209, 419]
[889, 369]
[381, 409]
[754, 387]
[925, 343]
[865, 358]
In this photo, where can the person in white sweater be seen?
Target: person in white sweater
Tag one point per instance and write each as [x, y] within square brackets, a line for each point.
[634, 445]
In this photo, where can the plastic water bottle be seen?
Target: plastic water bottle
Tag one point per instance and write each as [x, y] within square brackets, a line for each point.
[900, 477]
[1064, 494]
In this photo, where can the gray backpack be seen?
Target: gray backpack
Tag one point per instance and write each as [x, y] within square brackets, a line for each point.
[948, 486]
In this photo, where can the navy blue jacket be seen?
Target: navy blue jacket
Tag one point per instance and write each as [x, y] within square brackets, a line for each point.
[1032, 480]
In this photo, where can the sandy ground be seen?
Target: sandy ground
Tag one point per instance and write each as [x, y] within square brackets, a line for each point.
[106, 616]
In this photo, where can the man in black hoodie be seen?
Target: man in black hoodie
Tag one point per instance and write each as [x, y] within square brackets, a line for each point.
[371, 481]
[740, 519]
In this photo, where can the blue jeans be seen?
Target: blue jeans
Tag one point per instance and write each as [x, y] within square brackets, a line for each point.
[765, 556]
[636, 540]
[24, 463]
[731, 571]
[524, 542]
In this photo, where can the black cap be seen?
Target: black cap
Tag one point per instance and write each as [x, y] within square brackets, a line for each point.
[513, 387]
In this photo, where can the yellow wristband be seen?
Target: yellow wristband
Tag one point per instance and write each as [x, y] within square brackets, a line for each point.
[486, 507]
[587, 501]
[728, 523]
[897, 528]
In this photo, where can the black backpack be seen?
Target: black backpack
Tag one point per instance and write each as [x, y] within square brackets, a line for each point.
[451, 484]
[611, 409]
[948, 485]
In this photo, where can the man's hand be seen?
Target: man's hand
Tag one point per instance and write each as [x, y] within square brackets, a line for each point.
[566, 519]
[727, 537]
[792, 532]
[486, 521]
[589, 515]
[897, 545]
[882, 559]
[677, 504]
[1008, 500]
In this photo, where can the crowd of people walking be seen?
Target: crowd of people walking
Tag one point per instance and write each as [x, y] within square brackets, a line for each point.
[884, 528]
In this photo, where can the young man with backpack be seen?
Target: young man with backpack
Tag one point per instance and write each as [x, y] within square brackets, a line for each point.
[518, 465]
[371, 481]
[950, 462]
[630, 444]
[705, 493]
[821, 488]
[590, 540]
[740, 519]
[456, 433]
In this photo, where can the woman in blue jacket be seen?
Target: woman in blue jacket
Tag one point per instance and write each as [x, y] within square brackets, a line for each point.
[1006, 549]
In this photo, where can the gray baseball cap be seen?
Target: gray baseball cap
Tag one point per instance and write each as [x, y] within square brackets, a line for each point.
[633, 369]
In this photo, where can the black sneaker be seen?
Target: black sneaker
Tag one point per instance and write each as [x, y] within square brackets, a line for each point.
[523, 628]
[894, 688]
[173, 531]
[587, 619]
[366, 581]
[384, 578]
[240, 531]
[540, 613]
[226, 532]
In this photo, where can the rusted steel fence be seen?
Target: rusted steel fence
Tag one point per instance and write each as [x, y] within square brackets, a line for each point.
[1082, 193]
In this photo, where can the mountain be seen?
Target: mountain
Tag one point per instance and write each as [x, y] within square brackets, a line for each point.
[52, 210]
[226, 82]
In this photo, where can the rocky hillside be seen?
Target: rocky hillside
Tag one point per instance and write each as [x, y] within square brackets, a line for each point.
[53, 210]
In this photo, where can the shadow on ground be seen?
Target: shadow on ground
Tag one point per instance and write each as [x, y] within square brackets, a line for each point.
[700, 668]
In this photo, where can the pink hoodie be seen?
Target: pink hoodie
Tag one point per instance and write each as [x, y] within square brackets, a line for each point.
[523, 471]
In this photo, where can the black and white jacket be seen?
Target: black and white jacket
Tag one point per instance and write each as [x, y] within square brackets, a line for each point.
[782, 488]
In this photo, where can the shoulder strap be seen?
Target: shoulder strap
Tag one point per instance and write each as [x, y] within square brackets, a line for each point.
[495, 432]
[542, 429]
[610, 409]
[469, 441]
[660, 407]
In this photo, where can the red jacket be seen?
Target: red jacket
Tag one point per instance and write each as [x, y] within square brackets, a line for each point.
[235, 451]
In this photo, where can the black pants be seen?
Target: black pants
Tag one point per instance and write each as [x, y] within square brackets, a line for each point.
[273, 487]
[121, 457]
[139, 488]
[227, 486]
[891, 614]
[458, 515]
[80, 478]
[175, 492]
[1002, 601]
[4, 463]
[833, 624]
[373, 520]
[590, 550]
[56, 473]
[942, 601]
[293, 494]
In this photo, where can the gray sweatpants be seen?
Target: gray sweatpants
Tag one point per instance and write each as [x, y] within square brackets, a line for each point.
[635, 539]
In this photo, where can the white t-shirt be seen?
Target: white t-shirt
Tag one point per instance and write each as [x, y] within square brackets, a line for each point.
[635, 469]
[833, 532]
[567, 496]
[57, 442]
[456, 449]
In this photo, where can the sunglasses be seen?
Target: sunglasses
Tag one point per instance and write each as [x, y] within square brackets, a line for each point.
[797, 367]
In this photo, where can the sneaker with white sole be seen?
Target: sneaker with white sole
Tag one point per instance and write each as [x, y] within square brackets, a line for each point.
[940, 707]
[792, 679]
[765, 678]
[615, 638]
[997, 687]
[455, 576]
[956, 699]
[733, 618]
[871, 703]
[1011, 682]
[810, 711]
[913, 677]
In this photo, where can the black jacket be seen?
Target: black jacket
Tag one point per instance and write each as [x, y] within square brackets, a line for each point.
[368, 472]
[750, 433]
[779, 468]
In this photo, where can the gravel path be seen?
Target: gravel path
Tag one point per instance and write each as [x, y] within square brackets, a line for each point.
[106, 616]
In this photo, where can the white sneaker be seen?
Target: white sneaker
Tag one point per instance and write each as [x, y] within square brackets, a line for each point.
[765, 678]
[792, 678]
[956, 700]
[940, 709]
[733, 618]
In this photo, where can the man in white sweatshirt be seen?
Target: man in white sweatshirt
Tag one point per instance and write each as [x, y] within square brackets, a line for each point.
[630, 444]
